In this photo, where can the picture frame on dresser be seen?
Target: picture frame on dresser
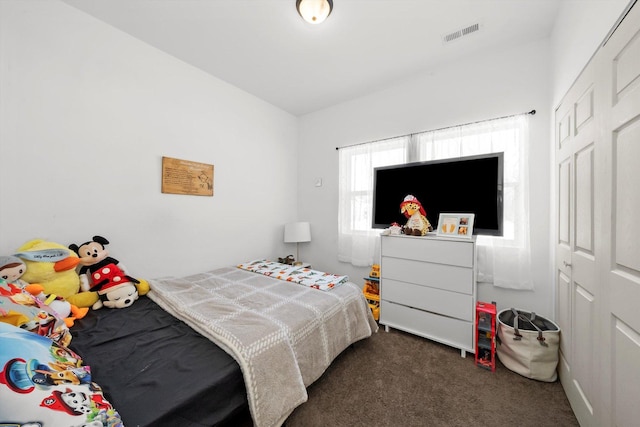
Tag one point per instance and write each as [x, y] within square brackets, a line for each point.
[456, 225]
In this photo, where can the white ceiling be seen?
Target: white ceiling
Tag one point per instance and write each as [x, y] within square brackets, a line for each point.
[266, 49]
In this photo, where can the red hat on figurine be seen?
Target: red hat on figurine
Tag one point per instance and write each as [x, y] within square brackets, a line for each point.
[411, 199]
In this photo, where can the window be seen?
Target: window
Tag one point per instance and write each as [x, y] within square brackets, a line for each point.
[503, 261]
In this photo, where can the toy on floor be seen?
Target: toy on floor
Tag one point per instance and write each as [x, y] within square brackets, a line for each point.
[371, 290]
[93, 256]
[417, 222]
[54, 267]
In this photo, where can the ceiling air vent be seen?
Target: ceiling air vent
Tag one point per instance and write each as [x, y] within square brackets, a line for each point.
[447, 38]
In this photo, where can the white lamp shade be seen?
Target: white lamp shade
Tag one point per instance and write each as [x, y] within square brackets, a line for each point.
[295, 232]
[314, 11]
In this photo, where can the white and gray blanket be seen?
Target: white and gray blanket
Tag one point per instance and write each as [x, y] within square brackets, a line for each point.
[282, 334]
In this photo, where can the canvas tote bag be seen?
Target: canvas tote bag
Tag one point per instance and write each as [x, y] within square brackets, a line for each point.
[528, 344]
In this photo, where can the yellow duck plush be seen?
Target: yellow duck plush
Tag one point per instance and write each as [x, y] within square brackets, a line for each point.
[54, 267]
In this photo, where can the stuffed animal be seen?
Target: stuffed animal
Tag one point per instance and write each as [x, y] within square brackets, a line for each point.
[62, 307]
[417, 223]
[394, 230]
[115, 288]
[54, 267]
[11, 269]
[93, 256]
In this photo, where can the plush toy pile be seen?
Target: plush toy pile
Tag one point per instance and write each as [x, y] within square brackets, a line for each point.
[53, 266]
[42, 381]
[45, 287]
[105, 275]
[71, 279]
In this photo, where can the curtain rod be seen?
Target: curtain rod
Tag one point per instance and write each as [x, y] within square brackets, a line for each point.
[532, 112]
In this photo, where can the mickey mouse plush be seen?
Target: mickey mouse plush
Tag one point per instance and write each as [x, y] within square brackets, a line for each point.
[93, 257]
[115, 288]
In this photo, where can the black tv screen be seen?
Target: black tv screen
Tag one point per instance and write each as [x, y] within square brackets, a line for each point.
[471, 184]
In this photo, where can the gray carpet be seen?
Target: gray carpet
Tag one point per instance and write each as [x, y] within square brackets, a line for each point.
[397, 379]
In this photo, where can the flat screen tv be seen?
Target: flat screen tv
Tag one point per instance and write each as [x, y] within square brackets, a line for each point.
[472, 184]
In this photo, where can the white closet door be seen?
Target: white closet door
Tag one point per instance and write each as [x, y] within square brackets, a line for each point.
[598, 233]
[620, 276]
[578, 291]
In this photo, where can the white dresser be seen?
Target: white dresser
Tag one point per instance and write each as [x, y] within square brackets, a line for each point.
[428, 288]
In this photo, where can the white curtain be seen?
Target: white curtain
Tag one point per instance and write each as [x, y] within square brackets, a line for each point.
[504, 261]
[357, 240]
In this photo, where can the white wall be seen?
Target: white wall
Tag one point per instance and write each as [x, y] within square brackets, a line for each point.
[86, 114]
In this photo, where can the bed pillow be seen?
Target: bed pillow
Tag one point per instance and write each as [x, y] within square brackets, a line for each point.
[45, 384]
[296, 274]
[20, 308]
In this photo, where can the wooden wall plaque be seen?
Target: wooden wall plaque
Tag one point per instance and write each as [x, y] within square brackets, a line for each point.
[186, 177]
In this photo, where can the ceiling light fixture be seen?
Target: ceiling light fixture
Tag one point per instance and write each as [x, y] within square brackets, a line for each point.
[314, 11]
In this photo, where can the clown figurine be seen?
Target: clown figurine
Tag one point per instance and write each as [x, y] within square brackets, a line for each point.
[417, 223]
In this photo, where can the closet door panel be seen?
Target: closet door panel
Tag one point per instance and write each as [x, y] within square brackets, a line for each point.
[584, 201]
[578, 290]
[624, 275]
[585, 285]
[564, 314]
[627, 206]
[627, 374]
[564, 203]
[583, 110]
[583, 259]
[584, 343]
[620, 72]
[564, 220]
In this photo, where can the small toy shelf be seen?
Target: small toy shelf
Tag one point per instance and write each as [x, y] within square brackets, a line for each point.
[486, 335]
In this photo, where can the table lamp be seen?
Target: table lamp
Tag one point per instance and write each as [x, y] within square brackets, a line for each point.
[296, 232]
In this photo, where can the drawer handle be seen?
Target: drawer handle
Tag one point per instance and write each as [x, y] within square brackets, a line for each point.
[566, 264]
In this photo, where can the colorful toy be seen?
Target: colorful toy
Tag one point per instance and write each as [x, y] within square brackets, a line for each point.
[417, 223]
[394, 230]
[371, 290]
[62, 307]
[53, 266]
[93, 256]
[11, 269]
[115, 288]
[20, 308]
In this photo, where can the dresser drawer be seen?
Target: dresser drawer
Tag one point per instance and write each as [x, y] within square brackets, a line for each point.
[447, 277]
[454, 332]
[430, 249]
[451, 304]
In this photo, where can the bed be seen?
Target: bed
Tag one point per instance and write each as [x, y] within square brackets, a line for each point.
[215, 347]
[156, 370]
